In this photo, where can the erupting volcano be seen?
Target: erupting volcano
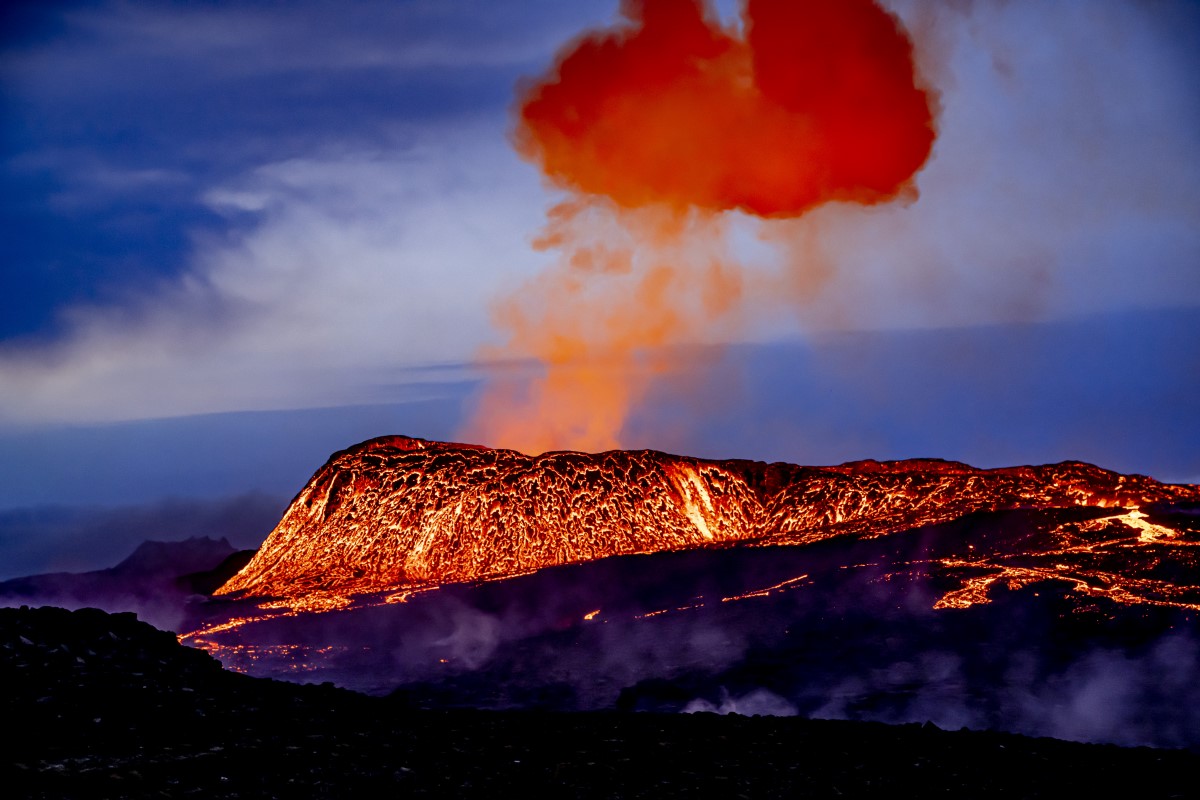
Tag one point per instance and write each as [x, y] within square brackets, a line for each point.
[465, 576]
[829, 201]
[395, 513]
[595, 577]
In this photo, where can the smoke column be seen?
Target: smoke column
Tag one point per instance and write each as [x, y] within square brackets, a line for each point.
[658, 129]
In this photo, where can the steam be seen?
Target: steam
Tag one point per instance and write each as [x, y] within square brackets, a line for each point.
[758, 702]
[933, 684]
[662, 131]
[472, 639]
[1110, 695]
[1102, 695]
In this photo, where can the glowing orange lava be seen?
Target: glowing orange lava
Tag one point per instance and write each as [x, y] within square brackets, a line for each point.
[397, 515]
[391, 520]
[1077, 561]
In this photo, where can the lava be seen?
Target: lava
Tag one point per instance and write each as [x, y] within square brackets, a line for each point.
[1083, 551]
[384, 530]
[397, 515]
[788, 584]
[242, 657]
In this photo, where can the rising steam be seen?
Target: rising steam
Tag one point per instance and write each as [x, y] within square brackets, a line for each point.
[658, 129]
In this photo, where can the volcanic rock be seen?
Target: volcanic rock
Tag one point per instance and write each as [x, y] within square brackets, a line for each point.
[399, 512]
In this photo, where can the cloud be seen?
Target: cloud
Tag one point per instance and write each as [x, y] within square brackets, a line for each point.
[759, 702]
[351, 265]
[238, 40]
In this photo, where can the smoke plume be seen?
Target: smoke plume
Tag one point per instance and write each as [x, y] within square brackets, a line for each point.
[659, 130]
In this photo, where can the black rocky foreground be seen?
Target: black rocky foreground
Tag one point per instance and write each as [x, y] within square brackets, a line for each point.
[101, 705]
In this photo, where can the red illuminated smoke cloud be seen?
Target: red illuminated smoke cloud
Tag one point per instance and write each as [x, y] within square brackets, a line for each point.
[817, 102]
[656, 128]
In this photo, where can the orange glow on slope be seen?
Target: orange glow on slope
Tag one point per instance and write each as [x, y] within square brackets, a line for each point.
[1069, 563]
[398, 516]
[657, 128]
[391, 520]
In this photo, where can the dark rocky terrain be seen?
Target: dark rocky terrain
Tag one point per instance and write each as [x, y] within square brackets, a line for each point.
[105, 706]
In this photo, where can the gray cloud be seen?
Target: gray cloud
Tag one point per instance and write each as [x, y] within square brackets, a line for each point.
[757, 702]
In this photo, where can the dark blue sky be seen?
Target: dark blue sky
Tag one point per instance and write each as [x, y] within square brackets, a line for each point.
[238, 236]
[117, 117]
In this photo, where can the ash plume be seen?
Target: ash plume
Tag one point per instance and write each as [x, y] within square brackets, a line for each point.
[660, 130]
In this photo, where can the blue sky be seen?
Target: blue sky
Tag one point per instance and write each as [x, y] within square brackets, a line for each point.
[278, 230]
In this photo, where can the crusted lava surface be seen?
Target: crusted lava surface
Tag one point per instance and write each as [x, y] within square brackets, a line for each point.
[105, 706]
[395, 512]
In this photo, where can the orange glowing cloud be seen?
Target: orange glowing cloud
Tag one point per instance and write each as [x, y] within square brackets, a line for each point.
[657, 128]
[817, 102]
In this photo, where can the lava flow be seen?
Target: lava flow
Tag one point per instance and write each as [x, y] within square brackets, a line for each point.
[1094, 558]
[395, 514]
[459, 571]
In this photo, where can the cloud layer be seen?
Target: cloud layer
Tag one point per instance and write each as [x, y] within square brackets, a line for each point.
[354, 265]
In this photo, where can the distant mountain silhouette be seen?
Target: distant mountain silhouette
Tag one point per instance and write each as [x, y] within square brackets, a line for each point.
[153, 581]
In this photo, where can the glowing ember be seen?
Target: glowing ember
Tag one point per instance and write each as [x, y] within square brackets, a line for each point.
[242, 657]
[789, 583]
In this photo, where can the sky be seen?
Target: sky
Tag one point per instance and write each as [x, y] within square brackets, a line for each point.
[240, 236]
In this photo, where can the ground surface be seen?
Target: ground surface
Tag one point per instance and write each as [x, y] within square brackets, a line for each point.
[102, 705]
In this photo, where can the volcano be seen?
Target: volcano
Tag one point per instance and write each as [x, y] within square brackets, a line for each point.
[395, 512]
[1058, 600]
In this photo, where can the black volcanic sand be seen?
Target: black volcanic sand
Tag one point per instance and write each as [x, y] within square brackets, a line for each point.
[103, 705]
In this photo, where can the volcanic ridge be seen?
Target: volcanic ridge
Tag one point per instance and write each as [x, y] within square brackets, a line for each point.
[395, 512]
